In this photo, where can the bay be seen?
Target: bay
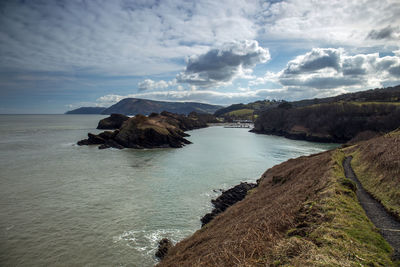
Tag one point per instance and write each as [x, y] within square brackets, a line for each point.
[65, 205]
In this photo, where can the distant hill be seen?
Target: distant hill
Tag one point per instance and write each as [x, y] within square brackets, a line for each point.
[254, 109]
[334, 119]
[389, 94]
[86, 110]
[245, 111]
[133, 106]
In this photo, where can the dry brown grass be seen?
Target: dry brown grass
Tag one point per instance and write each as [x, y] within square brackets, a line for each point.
[245, 234]
[303, 213]
[377, 165]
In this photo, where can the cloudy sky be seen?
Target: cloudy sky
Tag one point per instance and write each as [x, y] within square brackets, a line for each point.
[57, 55]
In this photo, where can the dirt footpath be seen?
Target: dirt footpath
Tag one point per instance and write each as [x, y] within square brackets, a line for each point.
[384, 221]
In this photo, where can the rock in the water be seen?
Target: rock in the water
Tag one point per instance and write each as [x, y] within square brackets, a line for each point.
[163, 246]
[108, 134]
[151, 132]
[92, 140]
[115, 121]
[110, 143]
[84, 142]
[155, 131]
[95, 139]
[227, 199]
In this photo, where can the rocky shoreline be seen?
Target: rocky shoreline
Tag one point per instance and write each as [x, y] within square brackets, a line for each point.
[301, 136]
[227, 199]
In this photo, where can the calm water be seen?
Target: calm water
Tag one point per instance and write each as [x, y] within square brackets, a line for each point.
[65, 205]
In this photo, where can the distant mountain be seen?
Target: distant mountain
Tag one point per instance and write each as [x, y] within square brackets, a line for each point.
[86, 110]
[133, 106]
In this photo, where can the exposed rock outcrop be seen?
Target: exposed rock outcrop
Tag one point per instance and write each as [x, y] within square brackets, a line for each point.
[115, 121]
[163, 246]
[227, 199]
[155, 131]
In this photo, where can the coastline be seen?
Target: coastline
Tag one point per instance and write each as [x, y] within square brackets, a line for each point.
[301, 136]
[314, 197]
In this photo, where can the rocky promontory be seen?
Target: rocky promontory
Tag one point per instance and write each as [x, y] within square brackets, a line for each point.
[153, 131]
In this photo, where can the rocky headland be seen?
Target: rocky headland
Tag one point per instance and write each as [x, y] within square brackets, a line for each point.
[154, 131]
[303, 212]
[334, 119]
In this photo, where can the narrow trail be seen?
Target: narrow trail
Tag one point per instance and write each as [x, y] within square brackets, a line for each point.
[384, 221]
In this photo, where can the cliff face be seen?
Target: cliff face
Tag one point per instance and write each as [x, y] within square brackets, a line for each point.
[155, 131]
[332, 122]
[304, 212]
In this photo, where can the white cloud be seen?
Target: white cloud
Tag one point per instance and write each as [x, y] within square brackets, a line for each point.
[335, 71]
[108, 100]
[321, 72]
[120, 37]
[129, 37]
[149, 84]
[325, 22]
[220, 66]
[205, 96]
[75, 47]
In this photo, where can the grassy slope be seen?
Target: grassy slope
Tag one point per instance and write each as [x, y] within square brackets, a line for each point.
[241, 112]
[304, 213]
[255, 107]
[377, 165]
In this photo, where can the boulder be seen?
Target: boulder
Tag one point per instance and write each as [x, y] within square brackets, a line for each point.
[93, 139]
[111, 143]
[163, 246]
[227, 199]
[83, 142]
[115, 121]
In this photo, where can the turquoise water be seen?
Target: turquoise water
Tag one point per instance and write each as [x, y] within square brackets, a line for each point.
[65, 205]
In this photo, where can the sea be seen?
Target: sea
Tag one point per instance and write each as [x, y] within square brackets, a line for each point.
[67, 205]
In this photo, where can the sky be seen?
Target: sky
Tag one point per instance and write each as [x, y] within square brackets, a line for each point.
[57, 55]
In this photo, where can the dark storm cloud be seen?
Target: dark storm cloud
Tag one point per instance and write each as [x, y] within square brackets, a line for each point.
[315, 60]
[320, 82]
[385, 33]
[222, 65]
